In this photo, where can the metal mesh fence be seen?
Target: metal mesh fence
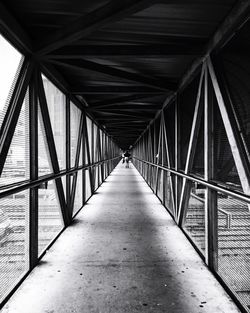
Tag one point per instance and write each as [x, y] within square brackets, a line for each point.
[10, 64]
[16, 167]
[168, 191]
[194, 221]
[234, 246]
[75, 115]
[198, 162]
[187, 104]
[87, 184]
[160, 185]
[49, 216]
[14, 240]
[57, 112]
[44, 163]
[169, 115]
[225, 169]
[79, 193]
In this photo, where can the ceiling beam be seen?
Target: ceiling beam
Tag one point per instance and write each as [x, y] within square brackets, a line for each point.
[238, 15]
[130, 119]
[129, 114]
[125, 109]
[112, 11]
[128, 106]
[125, 37]
[127, 122]
[76, 52]
[112, 71]
[119, 100]
[102, 89]
[10, 28]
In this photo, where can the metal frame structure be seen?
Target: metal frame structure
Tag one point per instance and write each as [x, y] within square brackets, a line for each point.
[210, 93]
[105, 154]
[74, 48]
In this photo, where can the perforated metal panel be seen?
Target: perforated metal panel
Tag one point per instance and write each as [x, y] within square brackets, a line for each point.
[49, 216]
[14, 240]
[194, 221]
[234, 246]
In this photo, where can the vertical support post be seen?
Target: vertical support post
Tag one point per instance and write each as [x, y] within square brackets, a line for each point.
[52, 150]
[68, 152]
[163, 157]
[235, 140]
[177, 154]
[158, 158]
[84, 159]
[211, 212]
[33, 150]
[169, 162]
[191, 150]
[88, 155]
[78, 151]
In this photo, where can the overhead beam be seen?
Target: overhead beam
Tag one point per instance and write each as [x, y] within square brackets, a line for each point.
[76, 52]
[110, 12]
[235, 19]
[125, 107]
[119, 100]
[132, 37]
[10, 27]
[102, 89]
[127, 122]
[120, 113]
[112, 71]
[122, 119]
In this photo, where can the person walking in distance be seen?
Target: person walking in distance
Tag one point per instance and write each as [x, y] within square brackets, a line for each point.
[127, 156]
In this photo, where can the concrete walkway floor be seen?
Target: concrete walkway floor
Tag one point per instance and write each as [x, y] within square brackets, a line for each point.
[123, 253]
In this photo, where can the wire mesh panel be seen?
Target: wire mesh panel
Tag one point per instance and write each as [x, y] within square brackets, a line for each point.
[236, 68]
[160, 185]
[57, 112]
[16, 167]
[169, 115]
[198, 161]
[234, 246]
[187, 100]
[225, 168]
[79, 193]
[44, 164]
[96, 171]
[87, 184]
[168, 192]
[89, 134]
[10, 63]
[14, 240]
[49, 215]
[75, 115]
[94, 142]
[194, 221]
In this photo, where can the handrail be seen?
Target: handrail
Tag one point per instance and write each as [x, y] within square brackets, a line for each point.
[228, 215]
[211, 185]
[26, 184]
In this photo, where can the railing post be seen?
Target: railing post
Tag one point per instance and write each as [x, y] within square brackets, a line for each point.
[68, 156]
[211, 212]
[33, 192]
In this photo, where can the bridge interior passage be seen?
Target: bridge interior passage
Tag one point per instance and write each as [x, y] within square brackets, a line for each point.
[80, 82]
[123, 253]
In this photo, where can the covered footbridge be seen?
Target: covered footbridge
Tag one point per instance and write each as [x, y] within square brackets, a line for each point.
[82, 82]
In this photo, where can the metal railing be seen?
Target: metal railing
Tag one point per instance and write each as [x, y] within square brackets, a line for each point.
[26, 184]
[208, 184]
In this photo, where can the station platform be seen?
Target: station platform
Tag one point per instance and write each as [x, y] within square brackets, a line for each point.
[123, 253]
